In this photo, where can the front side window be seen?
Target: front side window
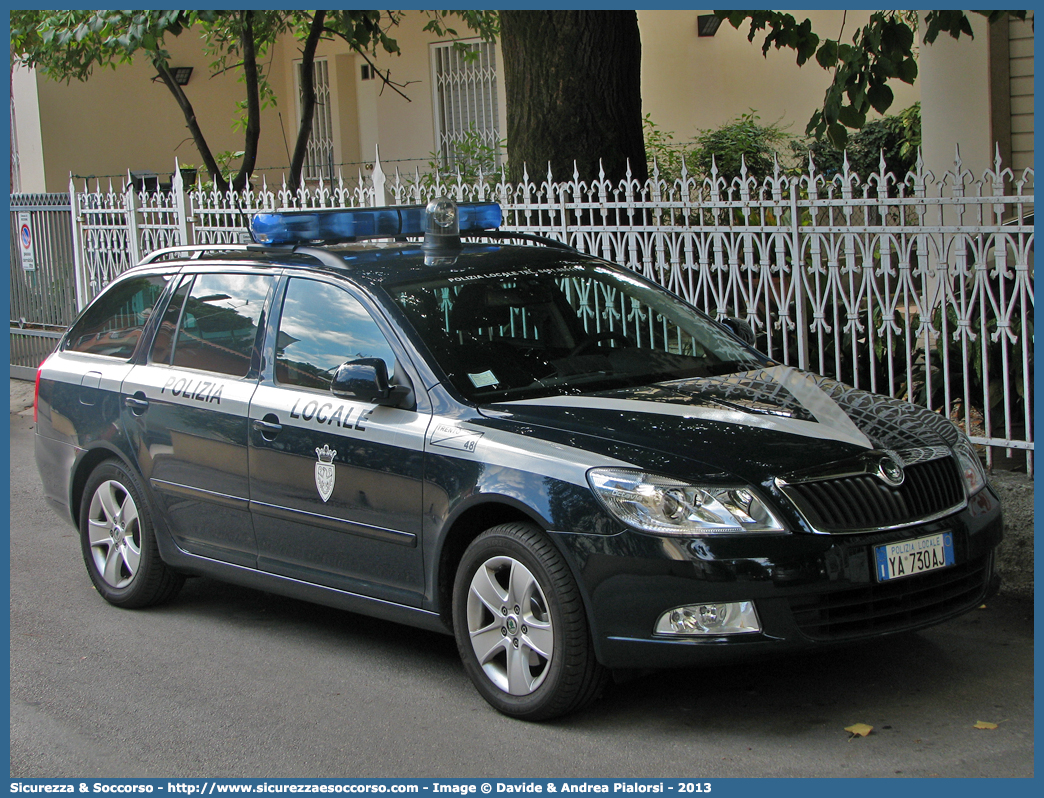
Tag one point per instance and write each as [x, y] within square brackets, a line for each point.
[113, 324]
[218, 326]
[572, 328]
[321, 327]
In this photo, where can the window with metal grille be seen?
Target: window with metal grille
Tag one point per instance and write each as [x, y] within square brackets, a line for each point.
[465, 99]
[319, 158]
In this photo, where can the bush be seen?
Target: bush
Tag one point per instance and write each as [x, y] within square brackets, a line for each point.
[471, 156]
[740, 140]
[898, 137]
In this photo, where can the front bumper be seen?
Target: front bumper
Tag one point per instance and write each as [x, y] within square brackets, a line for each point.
[808, 590]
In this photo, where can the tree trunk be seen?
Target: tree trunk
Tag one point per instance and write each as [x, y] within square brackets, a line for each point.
[253, 100]
[304, 132]
[572, 82]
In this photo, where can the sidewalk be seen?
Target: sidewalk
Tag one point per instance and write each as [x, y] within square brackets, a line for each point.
[22, 397]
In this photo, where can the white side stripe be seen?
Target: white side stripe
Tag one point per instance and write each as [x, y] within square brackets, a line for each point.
[825, 410]
[520, 452]
[831, 423]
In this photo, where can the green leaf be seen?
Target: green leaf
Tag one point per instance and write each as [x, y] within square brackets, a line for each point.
[832, 103]
[815, 125]
[847, 52]
[838, 135]
[827, 55]
[896, 38]
[907, 70]
[880, 97]
[852, 117]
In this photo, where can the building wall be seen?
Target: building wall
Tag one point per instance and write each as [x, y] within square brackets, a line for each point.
[692, 83]
[1020, 76]
[122, 119]
[978, 95]
[28, 172]
[956, 107]
[405, 129]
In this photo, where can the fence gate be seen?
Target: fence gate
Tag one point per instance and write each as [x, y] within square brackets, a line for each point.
[43, 293]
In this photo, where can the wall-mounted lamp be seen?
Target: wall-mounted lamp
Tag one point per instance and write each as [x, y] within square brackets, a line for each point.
[182, 74]
[707, 24]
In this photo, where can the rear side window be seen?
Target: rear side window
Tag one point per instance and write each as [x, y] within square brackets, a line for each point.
[114, 323]
[218, 326]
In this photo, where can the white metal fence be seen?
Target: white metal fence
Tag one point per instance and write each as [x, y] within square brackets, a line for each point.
[920, 288]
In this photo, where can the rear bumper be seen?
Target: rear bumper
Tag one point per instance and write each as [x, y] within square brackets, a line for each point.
[56, 460]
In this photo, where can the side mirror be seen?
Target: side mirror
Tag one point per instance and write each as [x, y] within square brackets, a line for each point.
[366, 380]
[739, 328]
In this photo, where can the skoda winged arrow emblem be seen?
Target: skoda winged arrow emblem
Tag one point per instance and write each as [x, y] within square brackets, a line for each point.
[890, 470]
[325, 471]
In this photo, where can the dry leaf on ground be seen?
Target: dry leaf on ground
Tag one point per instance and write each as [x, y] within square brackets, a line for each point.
[859, 730]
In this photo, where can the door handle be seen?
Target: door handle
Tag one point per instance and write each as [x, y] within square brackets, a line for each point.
[136, 404]
[268, 428]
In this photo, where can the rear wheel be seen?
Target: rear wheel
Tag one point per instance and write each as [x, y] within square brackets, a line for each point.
[520, 625]
[118, 542]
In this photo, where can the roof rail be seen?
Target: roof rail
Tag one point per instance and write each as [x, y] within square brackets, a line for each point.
[193, 252]
[508, 234]
[325, 257]
[196, 252]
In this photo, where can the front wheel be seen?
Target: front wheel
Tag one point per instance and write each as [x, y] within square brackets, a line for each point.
[520, 625]
[118, 542]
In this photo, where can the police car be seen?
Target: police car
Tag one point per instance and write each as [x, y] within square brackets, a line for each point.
[547, 456]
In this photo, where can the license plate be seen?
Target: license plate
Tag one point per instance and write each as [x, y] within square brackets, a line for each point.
[909, 557]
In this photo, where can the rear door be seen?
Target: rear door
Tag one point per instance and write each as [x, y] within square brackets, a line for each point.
[186, 410]
[335, 484]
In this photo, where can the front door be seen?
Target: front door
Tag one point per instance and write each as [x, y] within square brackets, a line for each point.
[335, 485]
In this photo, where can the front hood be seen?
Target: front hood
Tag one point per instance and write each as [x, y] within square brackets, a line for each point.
[756, 424]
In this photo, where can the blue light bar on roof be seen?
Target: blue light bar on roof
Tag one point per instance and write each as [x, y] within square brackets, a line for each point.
[300, 227]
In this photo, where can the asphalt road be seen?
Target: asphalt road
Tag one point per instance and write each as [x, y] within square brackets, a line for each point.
[230, 682]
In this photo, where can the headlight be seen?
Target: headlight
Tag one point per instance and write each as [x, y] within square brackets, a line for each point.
[971, 469]
[667, 506]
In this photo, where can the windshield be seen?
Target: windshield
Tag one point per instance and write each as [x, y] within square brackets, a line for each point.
[569, 329]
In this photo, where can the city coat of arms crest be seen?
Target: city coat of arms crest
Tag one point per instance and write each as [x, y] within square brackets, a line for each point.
[325, 471]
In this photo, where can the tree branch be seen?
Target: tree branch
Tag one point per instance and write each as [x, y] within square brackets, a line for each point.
[193, 125]
[385, 76]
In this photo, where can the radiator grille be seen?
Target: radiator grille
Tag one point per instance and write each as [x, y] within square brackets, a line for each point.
[893, 605]
[862, 502]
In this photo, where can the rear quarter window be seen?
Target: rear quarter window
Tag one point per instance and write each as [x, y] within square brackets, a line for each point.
[113, 324]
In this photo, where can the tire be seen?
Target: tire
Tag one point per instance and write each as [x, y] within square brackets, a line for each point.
[520, 626]
[119, 543]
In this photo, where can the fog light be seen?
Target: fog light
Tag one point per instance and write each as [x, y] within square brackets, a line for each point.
[732, 618]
